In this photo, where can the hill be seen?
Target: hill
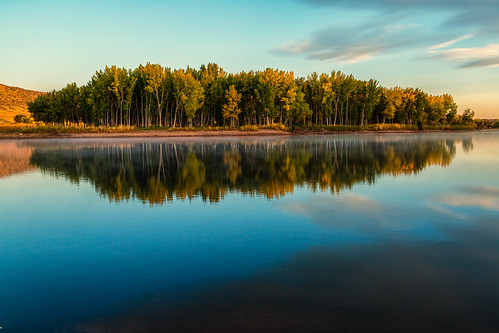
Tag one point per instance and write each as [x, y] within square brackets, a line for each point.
[13, 101]
[14, 159]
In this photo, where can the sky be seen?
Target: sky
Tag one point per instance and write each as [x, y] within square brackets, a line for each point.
[440, 46]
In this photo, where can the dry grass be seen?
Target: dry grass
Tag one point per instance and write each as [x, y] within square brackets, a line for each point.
[13, 101]
[60, 129]
[384, 128]
[44, 131]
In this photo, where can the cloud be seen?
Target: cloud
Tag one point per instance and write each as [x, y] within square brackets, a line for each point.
[482, 19]
[450, 42]
[363, 215]
[350, 44]
[414, 26]
[485, 197]
[487, 56]
[491, 62]
[295, 47]
[405, 4]
[481, 14]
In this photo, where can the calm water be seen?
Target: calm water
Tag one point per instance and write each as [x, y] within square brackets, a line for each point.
[304, 234]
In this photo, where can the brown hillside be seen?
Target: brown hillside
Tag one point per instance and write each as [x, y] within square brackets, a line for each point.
[14, 159]
[14, 101]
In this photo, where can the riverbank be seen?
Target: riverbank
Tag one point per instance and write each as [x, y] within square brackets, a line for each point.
[145, 134]
[32, 132]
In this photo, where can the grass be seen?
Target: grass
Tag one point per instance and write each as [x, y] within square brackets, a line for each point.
[13, 101]
[277, 127]
[7, 116]
[385, 127]
[54, 129]
[244, 128]
[60, 129]
[450, 127]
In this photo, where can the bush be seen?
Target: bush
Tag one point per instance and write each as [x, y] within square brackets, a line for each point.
[20, 118]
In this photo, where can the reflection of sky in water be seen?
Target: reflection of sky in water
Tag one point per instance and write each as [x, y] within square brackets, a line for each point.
[69, 255]
[412, 207]
[91, 250]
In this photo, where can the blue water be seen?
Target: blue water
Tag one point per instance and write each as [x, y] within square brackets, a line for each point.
[250, 234]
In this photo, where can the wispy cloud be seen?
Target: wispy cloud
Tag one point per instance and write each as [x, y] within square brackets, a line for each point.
[491, 62]
[295, 47]
[430, 25]
[350, 44]
[480, 18]
[406, 4]
[486, 197]
[487, 56]
[361, 214]
[450, 42]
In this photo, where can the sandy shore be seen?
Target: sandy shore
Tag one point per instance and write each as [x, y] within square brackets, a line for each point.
[202, 133]
[147, 134]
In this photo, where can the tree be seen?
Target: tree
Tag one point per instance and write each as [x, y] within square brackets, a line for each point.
[328, 96]
[189, 93]
[20, 118]
[393, 99]
[156, 95]
[122, 86]
[467, 117]
[118, 86]
[450, 108]
[156, 77]
[300, 109]
[231, 109]
[212, 78]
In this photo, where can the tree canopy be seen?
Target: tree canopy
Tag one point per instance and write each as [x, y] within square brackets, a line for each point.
[153, 95]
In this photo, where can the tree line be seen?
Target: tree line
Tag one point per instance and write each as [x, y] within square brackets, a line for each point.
[153, 95]
[158, 172]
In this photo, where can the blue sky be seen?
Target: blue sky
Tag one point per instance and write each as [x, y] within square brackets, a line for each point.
[441, 46]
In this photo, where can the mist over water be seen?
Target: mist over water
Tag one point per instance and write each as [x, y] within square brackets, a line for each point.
[362, 233]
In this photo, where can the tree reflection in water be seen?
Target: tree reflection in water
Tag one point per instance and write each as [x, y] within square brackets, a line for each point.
[157, 172]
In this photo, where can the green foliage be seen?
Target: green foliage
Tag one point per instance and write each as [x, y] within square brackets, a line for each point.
[231, 109]
[467, 117]
[189, 93]
[153, 95]
[20, 118]
[486, 123]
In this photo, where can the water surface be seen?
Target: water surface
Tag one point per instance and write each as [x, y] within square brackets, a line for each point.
[396, 233]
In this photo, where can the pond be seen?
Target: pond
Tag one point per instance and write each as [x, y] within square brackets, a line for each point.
[304, 234]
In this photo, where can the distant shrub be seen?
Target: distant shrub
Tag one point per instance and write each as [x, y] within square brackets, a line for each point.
[279, 127]
[20, 118]
[248, 128]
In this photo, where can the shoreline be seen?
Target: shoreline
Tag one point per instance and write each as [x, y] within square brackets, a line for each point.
[147, 134]
[208, 133]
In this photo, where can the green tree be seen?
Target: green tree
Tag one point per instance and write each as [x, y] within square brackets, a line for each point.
[450, 108]
[156, 78]
[231, 108]
[189, 94]
[20, 118]
[468, 116]
[155, 95]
